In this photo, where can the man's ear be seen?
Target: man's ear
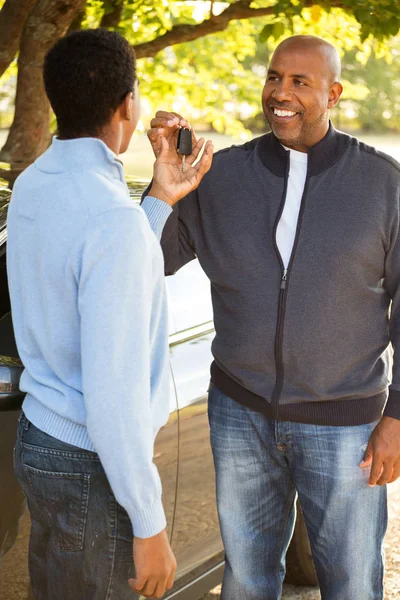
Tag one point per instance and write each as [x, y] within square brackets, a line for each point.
[126, 107]
[334, 94]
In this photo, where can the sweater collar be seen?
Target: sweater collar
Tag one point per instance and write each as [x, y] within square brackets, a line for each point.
[321, 157]
[81, 154]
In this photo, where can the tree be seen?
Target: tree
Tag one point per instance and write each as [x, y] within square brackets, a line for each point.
[379, 108]
[30, 27]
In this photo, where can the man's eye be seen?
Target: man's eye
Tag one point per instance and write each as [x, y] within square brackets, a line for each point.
[298, 82]
[272, 78]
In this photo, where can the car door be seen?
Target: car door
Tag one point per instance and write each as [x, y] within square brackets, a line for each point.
[196, 539]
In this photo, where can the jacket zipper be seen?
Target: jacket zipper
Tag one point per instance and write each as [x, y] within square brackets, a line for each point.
[279, 346]
[283, 291]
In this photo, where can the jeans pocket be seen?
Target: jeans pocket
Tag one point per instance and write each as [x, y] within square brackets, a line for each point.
[59, 501]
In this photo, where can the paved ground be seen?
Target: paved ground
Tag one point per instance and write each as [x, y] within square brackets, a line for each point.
[392, 547]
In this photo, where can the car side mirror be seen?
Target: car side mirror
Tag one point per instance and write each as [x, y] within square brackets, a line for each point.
[10, 373]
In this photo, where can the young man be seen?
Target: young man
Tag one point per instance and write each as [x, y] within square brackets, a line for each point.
[298, 231]
[90, 317]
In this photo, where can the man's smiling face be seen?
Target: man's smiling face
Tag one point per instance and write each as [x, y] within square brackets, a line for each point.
[300, 89]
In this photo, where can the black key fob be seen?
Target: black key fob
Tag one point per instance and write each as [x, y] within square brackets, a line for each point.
[184, 145]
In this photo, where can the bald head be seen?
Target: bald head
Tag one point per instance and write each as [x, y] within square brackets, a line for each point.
[302, 86]
[310, 43]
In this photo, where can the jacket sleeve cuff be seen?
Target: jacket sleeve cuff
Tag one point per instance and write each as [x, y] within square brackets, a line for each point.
[149, 521]
[392, 408]
[157, 213]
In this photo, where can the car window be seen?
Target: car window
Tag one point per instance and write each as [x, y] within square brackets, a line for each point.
[189, 298]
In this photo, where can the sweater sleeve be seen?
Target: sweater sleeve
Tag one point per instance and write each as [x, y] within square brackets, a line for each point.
[157, 213]
[392, 285]
[115, 305]
[176, 240]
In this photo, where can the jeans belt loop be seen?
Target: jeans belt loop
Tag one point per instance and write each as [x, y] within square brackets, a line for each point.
[25, 422]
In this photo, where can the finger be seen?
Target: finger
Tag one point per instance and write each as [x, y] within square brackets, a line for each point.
[170, 123]
[164, 149]
[194, 138]
[171, 577]
[197, 148]
[204, 163]
[182, 121]
[154, 136]
[167, 115]
[376, 470]
[172, 116]
[395, 474]
[170, 581]
[137, 585]
[149, 589]
[155, 132]
[367, 460]
[386, 474]
[160, 589]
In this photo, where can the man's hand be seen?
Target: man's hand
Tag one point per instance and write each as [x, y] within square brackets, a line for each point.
[155, 566]
[170, 181]
[168, 124]
[383, 452]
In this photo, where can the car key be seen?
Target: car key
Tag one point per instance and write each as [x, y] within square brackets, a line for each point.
[184, 146]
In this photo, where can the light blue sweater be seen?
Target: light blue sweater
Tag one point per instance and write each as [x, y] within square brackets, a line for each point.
[90, 315]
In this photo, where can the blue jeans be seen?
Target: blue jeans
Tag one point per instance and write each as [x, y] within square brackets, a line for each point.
[81, 538]
[260, 466]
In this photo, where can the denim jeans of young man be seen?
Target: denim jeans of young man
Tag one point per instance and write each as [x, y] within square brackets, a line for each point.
[81, 538]
[260, 465]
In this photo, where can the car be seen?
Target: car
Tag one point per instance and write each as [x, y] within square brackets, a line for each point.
[182, 450]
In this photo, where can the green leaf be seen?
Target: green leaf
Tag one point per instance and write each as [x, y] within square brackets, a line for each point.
[267, 32]
[278, 29]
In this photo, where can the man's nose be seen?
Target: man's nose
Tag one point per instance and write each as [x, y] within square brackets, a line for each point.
[282, 91]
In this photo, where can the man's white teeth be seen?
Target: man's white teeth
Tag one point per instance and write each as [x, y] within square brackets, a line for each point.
[283, 113]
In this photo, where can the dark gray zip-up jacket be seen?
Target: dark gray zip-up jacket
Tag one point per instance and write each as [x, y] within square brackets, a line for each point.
[313, 344]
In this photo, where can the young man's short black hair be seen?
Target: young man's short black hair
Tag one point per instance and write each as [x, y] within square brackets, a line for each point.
[87, 74]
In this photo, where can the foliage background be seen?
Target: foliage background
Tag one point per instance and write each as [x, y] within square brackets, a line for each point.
[216, 80]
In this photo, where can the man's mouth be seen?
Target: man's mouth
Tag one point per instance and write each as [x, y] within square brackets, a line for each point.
[283, 113]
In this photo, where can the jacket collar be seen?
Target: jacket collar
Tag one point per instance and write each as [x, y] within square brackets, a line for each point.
[80, 154]
[321, 157]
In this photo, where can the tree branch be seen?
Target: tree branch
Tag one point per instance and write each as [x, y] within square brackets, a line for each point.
[187, 33]
[212, 9]
[112, 18]
[13, 17]
[76, 24]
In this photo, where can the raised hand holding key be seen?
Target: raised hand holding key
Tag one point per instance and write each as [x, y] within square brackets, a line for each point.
[175, 176]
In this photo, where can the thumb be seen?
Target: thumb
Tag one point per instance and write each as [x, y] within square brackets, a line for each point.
[136, 585]
[367, 460]
[164, 148]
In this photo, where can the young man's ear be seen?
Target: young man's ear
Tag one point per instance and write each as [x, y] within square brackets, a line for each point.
[334, 94]
[126, 107]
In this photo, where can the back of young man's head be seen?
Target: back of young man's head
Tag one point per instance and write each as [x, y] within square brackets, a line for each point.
[87, 75]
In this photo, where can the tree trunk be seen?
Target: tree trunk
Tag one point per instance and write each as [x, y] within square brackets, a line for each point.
[112, 18]
[13, 17]
[29, 134]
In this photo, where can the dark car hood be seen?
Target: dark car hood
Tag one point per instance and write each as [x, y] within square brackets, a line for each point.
[5, 195]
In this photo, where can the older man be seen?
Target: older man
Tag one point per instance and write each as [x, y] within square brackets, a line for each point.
[298, 231]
